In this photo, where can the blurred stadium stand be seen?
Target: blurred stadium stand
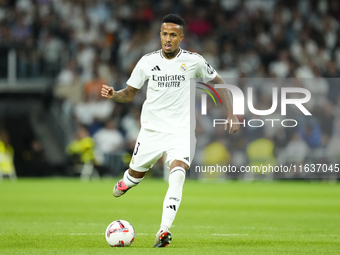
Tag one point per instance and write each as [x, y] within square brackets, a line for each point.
[55, 54]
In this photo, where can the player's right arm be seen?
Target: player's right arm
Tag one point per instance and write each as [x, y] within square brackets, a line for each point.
[121, 96]
[137, 79]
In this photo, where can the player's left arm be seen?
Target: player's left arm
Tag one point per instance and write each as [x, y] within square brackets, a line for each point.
[227, 101]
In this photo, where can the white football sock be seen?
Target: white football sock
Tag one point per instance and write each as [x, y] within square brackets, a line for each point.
[131, 181]
[173, 197]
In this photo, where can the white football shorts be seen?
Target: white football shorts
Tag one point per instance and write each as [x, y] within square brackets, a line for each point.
[152, 145]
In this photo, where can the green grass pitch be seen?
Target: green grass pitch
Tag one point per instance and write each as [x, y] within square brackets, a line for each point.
[68, 216]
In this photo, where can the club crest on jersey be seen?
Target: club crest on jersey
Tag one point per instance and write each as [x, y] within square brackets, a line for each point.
[183, 67]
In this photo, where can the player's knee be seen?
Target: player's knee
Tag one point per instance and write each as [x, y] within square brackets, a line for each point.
[179, 163]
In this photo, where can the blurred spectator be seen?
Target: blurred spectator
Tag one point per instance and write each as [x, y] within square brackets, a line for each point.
[311, 134]
[260, 153]
[333, 148]
[94, 109]
[51, 49]
[85, 56]
[280, 67]
[215, 154]
[28, 59]
[20, 31]
[296, 150]
[326, 119]
[35, 160]
[93, 86]
[199, 24]
[68, 85]
[97, 11]
[7, 167]
[82, 147]
[108, 140]
[334, 88]
[131, 123]
[82, 153]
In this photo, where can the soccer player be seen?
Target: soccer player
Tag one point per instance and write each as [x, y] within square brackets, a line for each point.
[165, 117]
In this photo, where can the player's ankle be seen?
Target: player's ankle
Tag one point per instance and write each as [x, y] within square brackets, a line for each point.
[130, 181]
[164, 228]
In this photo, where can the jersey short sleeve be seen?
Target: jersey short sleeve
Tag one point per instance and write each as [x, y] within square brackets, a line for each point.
[138, 75]
[204, 69]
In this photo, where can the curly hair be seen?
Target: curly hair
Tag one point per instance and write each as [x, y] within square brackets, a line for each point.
[173, 18]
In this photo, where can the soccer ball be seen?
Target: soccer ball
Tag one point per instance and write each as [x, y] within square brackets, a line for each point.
[120, 233]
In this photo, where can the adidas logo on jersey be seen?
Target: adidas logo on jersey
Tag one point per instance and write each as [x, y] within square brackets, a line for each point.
[156, 68]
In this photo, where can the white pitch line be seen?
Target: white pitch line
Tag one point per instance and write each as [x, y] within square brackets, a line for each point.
[216, 234]
[92, 234]
[75, 234]
[83, 234]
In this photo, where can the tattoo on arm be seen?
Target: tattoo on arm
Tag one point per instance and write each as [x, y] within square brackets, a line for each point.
[224, 94]
[124, 95]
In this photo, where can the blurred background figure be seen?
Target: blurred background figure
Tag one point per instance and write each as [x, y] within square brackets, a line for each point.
[82, 154]
[108, 141]
[296, 150]
[36, 160]
[260, 154]
[215, 154]
[333, 148]
[6, 157]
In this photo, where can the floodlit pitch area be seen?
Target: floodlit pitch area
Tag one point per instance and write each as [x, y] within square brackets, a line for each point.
[67, 216]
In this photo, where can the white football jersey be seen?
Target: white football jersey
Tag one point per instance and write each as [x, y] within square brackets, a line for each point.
[167, 105]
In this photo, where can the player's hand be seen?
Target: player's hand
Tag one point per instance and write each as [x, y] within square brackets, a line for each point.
[107, 91]
[234, 126]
